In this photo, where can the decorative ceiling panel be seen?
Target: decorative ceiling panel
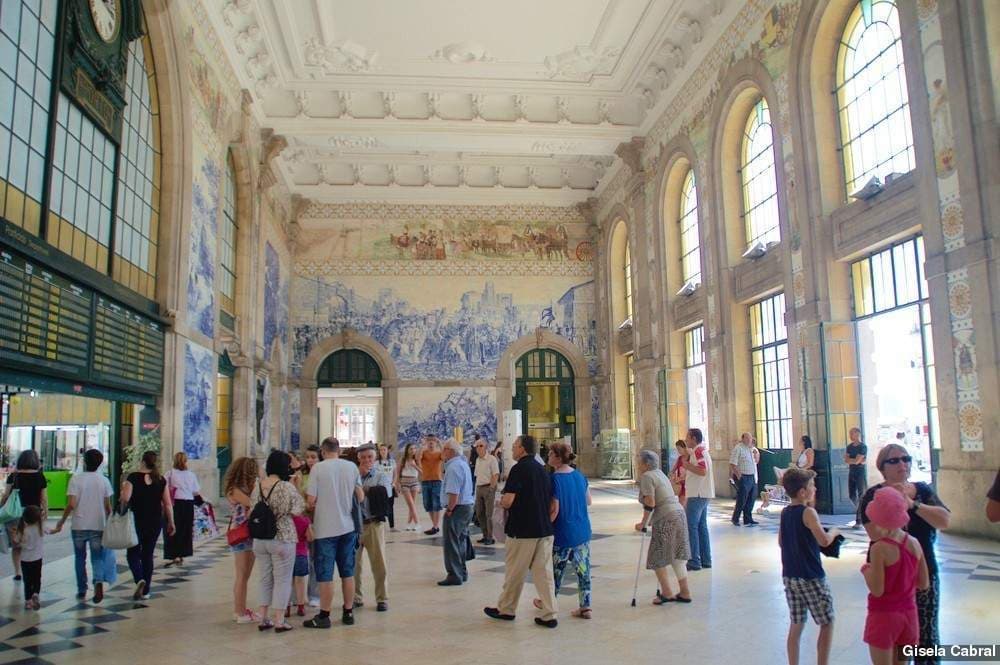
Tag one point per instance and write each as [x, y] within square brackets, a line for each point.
[386, 99]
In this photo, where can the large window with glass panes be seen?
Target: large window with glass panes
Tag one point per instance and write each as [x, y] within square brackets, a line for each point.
[772, 403]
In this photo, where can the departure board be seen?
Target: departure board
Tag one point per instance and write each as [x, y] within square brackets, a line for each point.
[55, 327]
[128, 348]
[45, 320]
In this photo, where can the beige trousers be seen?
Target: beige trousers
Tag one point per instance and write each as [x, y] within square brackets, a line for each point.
[372, 540]
[524, 554]
[485, 496]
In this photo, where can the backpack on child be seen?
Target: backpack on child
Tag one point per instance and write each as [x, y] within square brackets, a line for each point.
[262, 523]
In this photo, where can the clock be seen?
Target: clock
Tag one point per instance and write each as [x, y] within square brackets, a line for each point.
[107, 17]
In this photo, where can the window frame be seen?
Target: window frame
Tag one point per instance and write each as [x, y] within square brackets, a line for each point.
[630, 377]
[861, 20]
[628, 283]
[228, 240]
[689, 228]
[770, 372]
[751, 213]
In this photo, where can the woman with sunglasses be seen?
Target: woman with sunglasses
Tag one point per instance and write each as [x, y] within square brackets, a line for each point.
[927, 515]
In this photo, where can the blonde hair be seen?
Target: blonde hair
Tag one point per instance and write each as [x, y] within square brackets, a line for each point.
[181, 462]
[884, 453]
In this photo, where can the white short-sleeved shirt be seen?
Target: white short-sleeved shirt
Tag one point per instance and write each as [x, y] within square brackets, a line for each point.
[486, 468]
[90, 489]
[31, 544]
[700, 486]
[332, 483]
[184, 483]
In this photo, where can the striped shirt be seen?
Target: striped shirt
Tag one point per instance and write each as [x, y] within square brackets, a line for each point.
[742, 458]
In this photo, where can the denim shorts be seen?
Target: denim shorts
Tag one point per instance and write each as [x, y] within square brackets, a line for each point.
[337, 550]
[245, 546]
[432, 495]
[301, 568]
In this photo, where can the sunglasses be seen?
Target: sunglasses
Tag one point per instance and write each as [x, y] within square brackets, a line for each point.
[896, 460]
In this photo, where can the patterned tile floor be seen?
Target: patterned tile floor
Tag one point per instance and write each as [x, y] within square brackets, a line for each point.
[739, 608]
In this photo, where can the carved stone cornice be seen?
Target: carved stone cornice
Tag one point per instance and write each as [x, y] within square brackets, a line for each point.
[631, 153]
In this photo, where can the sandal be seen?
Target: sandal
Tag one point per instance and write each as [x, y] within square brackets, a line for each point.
[265, 625]
[283, 628]
[662, 600]
[681, 599]
[581, 613]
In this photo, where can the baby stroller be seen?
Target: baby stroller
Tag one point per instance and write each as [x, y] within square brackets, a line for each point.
[773, 493]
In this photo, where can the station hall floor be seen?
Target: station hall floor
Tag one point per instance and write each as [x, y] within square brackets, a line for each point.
[738, 614]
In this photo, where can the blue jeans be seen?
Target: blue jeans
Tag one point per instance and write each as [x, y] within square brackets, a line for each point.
[80, 539]
[746, 495]
[697, 518]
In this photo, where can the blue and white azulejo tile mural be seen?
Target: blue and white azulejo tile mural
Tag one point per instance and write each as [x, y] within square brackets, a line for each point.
[275, 301]
[200, 368]
[440, 410]
[443, 328]
[204, 231]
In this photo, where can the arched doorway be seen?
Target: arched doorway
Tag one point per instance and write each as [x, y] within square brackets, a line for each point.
[349, 397]
[357, 373]
[545, 393]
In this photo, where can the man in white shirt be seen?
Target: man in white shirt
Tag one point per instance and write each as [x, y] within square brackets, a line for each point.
[700, 487]
[743, 470]
[88, 500]
[487, 476]
[334, 486]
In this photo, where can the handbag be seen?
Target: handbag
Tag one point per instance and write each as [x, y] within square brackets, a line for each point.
[119, 532]
[12, 510]
[239, 535]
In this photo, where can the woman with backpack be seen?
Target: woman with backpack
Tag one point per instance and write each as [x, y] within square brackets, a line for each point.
[275, 500]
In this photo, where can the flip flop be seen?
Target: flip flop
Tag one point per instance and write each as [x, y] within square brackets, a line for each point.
[581, 613]
[662, 600]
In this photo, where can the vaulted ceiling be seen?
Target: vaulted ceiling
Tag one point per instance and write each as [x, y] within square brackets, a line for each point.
[464, 101]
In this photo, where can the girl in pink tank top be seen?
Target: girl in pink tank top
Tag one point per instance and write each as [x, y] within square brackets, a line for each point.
[896, 569]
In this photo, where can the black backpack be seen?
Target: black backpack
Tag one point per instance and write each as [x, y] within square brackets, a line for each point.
[262, 523]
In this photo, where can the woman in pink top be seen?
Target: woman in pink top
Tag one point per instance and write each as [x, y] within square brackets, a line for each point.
[897, 568]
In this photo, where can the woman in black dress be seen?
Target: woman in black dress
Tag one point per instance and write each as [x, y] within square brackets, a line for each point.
[29, 481]
[145, 492]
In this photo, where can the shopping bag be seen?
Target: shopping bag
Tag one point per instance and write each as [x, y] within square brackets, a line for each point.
[499, 521]
[119, 533]
[205, 527]
[106, 566]
[4, 541]
[12, 509]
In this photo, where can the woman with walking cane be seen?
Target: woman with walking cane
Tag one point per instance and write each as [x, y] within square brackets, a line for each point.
[668, 544]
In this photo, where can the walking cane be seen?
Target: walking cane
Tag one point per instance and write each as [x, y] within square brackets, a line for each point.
[635, 588]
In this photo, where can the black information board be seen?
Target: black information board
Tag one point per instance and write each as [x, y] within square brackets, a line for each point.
[49, 325]
[45, 320]
[128, 348]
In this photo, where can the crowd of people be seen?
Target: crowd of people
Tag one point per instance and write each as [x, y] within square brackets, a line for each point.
[301, 520]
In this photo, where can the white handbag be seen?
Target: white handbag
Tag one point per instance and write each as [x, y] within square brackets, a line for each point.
[119, 532]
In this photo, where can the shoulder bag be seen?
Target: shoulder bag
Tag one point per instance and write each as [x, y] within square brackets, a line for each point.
[119, 532]
[11, 509]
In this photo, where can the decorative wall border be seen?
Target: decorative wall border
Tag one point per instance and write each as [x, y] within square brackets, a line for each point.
[449, 268]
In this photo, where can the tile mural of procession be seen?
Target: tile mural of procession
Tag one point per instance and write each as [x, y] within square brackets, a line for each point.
[440, 240]
[463, 341]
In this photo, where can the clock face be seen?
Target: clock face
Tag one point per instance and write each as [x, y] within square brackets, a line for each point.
[107, 17]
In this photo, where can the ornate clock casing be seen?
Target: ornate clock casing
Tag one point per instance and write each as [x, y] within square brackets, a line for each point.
[95, 39]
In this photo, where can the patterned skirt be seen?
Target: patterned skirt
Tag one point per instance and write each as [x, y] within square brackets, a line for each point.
[669, 541]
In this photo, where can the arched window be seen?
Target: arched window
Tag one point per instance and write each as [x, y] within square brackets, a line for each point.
[875, 130]
[690, 243]
[138, 211]
[227, 246]
[760, 185]
[628, 282]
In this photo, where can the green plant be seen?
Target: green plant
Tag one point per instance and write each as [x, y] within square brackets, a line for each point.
[147, 441]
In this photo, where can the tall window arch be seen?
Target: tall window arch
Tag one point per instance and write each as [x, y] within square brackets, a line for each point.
[628, 282]
[137, 214]
[227, 244]
[873, 104]
[760, 184]
[690, 239]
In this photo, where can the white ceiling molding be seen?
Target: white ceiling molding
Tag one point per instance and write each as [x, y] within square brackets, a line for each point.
[456, 99]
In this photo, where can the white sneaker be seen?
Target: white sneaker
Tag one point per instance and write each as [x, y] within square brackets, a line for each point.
[248, 616]
[314, 602]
